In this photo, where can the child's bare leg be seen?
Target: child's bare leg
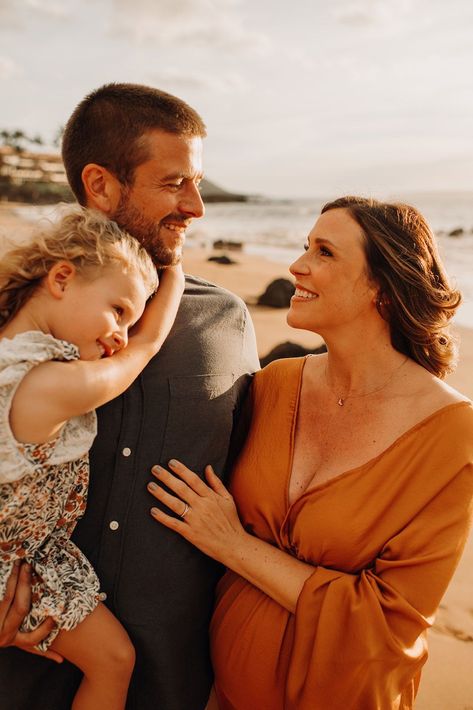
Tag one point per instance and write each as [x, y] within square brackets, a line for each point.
[101, 648]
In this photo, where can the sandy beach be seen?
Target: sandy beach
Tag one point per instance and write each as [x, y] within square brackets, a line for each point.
[447, 682]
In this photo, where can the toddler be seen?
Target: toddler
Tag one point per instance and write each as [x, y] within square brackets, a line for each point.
[67, 303]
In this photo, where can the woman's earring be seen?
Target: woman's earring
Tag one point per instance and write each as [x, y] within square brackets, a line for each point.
[381, 303]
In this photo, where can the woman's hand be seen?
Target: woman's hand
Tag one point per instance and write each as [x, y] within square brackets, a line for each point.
[208, 516]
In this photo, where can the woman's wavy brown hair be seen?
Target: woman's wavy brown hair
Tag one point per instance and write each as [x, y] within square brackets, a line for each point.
[85, 238]
[415, 296]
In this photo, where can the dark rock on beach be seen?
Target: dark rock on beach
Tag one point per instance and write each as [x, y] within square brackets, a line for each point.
[228, 244]
[289, 349]
[278, 294]
[222, 259]
[456, 232]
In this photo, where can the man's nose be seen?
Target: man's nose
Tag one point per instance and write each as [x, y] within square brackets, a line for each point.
[191, 202]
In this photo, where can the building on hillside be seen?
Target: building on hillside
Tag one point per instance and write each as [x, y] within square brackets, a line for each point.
[25, 166]
[32, 176]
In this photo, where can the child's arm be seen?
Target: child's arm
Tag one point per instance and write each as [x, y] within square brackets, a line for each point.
[160, 313]
[53, 392]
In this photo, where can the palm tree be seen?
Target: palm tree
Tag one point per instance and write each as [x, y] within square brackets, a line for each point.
[18, 140]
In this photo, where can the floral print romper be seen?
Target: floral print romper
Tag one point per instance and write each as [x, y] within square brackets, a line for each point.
[43, 491]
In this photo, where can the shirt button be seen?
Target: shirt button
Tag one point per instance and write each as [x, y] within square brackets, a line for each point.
[113, 525]
[126, 451]
[102, 596]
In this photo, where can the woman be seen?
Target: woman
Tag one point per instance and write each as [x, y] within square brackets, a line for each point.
[355, 484]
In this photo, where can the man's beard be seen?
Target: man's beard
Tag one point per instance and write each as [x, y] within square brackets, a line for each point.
[146, 231]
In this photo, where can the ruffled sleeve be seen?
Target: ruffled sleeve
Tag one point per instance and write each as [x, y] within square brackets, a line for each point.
[18, 356]
[359, 638]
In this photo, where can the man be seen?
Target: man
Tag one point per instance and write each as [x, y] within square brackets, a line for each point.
[135, 153]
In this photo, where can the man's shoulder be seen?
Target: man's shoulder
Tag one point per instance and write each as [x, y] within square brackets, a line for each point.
[213, 325]
[196, 286]
[197, 281]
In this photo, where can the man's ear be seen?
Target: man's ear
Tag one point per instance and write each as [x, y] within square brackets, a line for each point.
[59, 277]
[102, 189]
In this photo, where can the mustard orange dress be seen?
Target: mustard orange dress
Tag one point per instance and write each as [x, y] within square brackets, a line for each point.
[384, 539]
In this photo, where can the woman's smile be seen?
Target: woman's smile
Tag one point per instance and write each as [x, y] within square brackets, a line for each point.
[304, 294]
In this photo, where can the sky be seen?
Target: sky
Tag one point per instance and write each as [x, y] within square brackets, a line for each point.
[300, 98]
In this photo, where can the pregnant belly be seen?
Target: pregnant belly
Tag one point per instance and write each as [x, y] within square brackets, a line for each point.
[251, 637]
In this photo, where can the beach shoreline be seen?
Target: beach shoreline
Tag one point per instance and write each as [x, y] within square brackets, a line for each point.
[447, 679]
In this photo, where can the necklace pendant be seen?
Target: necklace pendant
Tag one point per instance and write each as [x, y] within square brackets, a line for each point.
[340, 402]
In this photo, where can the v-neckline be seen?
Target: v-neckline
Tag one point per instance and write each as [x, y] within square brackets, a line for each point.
[354, 469]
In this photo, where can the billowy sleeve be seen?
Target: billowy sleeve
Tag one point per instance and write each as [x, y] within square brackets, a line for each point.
[359, 639]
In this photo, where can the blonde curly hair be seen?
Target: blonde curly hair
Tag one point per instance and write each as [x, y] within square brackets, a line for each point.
[84, 237]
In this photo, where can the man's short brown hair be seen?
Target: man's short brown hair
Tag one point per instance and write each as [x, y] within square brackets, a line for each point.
[108, 125]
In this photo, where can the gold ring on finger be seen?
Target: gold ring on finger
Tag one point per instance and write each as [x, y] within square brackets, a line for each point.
[185, 511]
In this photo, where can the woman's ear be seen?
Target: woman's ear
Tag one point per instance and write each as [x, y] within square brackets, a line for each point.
[59, 277]
[102, 189]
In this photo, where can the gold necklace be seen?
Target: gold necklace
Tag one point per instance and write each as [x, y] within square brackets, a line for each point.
[341, 400]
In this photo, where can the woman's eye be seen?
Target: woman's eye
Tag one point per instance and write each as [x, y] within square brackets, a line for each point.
[306, 247]
[325, 252]
[118, 310]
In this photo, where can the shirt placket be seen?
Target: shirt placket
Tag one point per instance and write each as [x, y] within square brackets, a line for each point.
[115, 518]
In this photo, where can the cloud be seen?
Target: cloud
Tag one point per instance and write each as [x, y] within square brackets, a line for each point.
[9, 15]
[16, 14]
[214, 23]
[9, 69]
[52, 8]
[370, 12]
[175, 79]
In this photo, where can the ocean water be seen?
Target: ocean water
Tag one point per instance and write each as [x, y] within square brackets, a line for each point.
[277, 230]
